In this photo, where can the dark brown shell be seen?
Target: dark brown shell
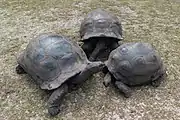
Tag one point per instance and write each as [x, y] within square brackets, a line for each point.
[136, 62]
[99, 23]
[52, 59]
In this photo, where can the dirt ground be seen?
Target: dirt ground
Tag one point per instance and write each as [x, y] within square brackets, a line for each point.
[153, 21]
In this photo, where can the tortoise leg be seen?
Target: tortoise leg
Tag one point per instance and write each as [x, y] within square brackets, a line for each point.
[158, 81]
[105, 69]
[107, 80]
[158, 77]
[109, 48]
[91, 68]
[109, 45]
[20, 70]
[55, 99]
[123, 88]
[100, 46]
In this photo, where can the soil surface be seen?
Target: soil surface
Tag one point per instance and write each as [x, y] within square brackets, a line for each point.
[153, 21]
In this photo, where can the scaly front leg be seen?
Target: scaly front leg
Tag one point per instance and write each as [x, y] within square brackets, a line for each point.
[55, 99]
[123, 88]
[100, 46]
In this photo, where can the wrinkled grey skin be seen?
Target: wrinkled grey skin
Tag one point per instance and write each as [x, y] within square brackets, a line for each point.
[100, 31]
[56, 64]
[133, 64]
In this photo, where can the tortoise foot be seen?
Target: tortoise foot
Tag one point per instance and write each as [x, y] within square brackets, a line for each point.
[20, 70]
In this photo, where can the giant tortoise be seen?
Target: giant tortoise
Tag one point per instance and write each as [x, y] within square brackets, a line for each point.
[56, 63]
[100, 32]
[133, 64]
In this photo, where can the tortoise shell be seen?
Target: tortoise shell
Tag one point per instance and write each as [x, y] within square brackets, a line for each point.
[100, 23]
[52, 59]
[135, 63]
